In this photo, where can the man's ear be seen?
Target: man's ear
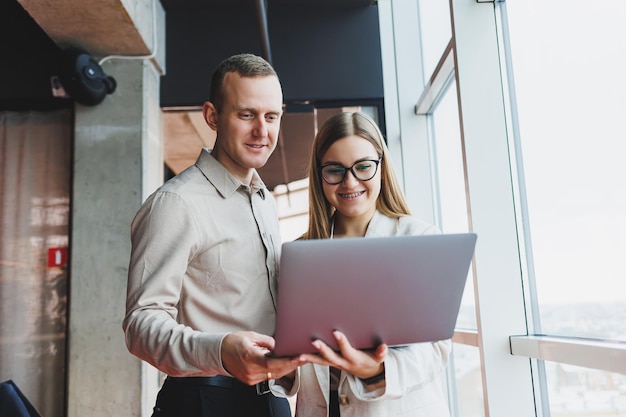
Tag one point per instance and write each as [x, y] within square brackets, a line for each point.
[210, 115]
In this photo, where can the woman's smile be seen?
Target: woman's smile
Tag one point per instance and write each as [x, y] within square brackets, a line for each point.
[351, 195]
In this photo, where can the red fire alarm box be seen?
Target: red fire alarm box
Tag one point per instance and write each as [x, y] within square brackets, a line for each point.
[57, 257]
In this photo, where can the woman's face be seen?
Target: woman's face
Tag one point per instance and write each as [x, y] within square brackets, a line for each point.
[352, 197]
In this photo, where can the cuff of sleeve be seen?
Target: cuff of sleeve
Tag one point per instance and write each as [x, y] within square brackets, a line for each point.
[367, 392]
[209, 353]
[373, 379]
[286, 387]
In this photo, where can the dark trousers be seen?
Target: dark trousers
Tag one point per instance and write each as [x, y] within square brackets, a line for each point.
[219, 396]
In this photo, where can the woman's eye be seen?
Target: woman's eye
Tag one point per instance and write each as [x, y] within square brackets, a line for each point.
[365, 166]
[335, 170]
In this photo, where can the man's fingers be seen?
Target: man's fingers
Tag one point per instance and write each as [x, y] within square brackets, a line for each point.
[279, 367]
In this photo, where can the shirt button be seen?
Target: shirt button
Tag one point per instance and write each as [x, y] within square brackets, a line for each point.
[343, 399]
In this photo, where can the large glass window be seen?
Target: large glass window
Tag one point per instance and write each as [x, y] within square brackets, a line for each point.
[546, 187]
[568, 91]
[450, 180]
[578, 391]
[468, 382]
[435, 30]
[570, 96]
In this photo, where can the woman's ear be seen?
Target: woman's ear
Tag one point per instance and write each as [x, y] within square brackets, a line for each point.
[210, 115]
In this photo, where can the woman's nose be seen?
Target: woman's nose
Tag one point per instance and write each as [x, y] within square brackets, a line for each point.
[349, 177]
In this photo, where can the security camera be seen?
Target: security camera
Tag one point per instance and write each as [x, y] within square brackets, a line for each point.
[83, 79]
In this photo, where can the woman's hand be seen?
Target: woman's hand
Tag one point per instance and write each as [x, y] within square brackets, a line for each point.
[360, 363]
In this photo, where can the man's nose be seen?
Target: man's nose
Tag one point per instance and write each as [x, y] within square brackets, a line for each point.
[260, 128]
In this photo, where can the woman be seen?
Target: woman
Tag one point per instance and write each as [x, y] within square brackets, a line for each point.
[353, 192]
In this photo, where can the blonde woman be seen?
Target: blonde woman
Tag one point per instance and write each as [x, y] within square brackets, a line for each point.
[353, 192]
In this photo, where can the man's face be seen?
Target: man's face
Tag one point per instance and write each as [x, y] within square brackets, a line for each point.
[248, 124]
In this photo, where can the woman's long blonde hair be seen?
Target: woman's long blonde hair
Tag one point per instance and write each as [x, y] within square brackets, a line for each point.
[390, 201]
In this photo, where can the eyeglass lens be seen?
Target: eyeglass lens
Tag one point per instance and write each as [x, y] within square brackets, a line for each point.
[362, 170]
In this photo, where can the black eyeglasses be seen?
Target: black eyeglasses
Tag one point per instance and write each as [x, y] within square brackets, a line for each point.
[365, 170]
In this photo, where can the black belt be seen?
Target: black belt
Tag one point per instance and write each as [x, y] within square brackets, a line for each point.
[222, 381]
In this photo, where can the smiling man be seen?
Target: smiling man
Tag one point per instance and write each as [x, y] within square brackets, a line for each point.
[202, 278]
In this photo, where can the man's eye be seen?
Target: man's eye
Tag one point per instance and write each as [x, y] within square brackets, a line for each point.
[272, 117]
[246, 115]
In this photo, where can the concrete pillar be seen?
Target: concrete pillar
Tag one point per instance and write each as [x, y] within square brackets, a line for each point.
[117, 161]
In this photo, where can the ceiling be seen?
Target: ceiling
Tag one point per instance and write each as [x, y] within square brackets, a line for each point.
[185, 130]
[173, 4]
[325, 51]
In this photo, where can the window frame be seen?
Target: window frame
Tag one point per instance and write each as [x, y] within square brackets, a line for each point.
[511, 354]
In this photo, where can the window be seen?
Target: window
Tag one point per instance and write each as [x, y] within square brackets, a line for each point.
[515, 134]
[570, 101]
[435, 31]
[450, 185]
[567, 104]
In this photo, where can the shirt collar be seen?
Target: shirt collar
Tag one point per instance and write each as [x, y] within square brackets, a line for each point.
[380, 225]
[223, 181]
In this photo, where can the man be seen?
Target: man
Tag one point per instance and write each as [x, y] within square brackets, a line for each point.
[202, 277]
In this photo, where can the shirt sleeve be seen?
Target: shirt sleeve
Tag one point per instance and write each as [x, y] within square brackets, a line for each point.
[407, 368]
[286, 387]
[164, 237]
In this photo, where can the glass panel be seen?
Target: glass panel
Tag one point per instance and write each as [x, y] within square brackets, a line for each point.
[451, 186]
[468, 379]
[435, 30]
[576, 391]
[570, 97]
[292, 203]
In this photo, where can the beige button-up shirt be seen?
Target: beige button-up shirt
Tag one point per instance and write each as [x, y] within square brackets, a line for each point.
[204, 261]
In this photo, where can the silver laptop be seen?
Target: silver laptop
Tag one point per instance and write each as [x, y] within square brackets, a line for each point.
[396, 290]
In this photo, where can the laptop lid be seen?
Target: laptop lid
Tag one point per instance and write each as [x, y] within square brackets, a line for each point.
[396, 290]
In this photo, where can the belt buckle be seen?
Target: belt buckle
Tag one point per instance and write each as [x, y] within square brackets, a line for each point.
[262, 388]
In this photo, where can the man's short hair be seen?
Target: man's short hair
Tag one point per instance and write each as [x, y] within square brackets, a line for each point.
[246, 65]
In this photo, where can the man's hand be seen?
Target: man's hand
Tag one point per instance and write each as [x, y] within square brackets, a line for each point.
[244, 356]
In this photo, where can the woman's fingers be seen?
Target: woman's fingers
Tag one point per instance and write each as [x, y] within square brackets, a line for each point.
[344, 344]
[327, 353]
[354, 361]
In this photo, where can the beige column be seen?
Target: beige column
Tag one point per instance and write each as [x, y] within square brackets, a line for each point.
[117, 162]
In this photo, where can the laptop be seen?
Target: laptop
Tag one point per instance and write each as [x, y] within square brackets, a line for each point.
[397, 290]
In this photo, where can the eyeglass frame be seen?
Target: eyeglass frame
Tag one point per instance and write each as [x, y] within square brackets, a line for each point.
[351, 169]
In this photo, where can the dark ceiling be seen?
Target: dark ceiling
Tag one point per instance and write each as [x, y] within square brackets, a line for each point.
[322, 50]
[177, 4]
[326, 52]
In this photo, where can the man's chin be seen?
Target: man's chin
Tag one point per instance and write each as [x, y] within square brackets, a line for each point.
[258, 162]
